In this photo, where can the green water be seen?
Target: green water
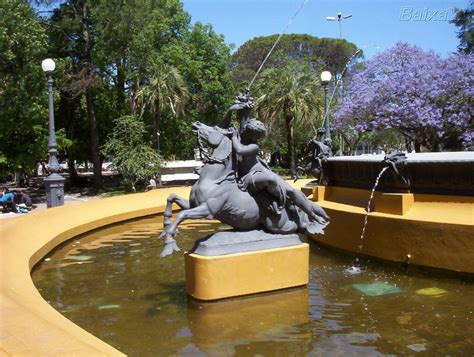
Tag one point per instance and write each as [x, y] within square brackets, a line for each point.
[113, 284]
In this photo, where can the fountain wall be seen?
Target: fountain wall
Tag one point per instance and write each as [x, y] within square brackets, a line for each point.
[30, 326]
[449, 173]
[427, 222]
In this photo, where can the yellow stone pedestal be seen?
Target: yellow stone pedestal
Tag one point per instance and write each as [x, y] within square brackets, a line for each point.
[308, 191]
[394, 203]
[223, 276]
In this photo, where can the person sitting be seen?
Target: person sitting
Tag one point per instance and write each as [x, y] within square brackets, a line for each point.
[7, 201]
[25, 200]
[152, 184]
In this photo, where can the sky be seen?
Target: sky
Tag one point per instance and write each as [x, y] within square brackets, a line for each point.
[375, 25]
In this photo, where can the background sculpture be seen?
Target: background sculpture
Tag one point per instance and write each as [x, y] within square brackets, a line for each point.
[317, 151]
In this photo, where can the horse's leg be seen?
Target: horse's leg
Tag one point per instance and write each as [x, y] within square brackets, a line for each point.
[198, 212]
[173, 198]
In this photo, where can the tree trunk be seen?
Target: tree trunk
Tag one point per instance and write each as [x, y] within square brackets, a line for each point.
[156, 131]
[94, 134]
[94, 137]
[121, 97]
[417, 146]
[407, 144]
[291, 145]
[73, 177]
[67, 108]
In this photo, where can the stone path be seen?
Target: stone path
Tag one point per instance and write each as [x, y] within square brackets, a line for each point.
[39, 200]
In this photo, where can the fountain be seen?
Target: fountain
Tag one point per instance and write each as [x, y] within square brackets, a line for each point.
[412, 209]
[110, 282]
[100, 289]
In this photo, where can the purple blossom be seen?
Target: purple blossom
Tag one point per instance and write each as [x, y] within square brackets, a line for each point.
[428, 99]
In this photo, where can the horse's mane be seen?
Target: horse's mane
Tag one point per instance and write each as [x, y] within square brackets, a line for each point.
[225, 132]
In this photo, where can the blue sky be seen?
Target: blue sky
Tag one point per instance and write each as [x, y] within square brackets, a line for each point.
[375, 26]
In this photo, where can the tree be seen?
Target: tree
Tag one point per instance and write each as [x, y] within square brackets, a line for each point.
[426, 98]
[464, 20]
[74, 38]
[114, 52]
[165, 90]
[291, 94]
[133, 35]
[112, 48]
[202, 58]
[133, 157]
[330, 54]
[23, 95]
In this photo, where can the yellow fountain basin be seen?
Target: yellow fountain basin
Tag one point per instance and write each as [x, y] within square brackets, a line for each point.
[436, 231]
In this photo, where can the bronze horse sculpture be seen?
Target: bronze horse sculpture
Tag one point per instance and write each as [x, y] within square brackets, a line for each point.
[217, 195]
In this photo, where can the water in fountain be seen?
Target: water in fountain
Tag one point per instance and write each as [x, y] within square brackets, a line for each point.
[366, 219]
[112, 283]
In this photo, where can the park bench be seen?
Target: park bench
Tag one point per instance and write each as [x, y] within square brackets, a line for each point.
[181, 170]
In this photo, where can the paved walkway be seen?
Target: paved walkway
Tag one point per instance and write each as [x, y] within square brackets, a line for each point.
[69, 199]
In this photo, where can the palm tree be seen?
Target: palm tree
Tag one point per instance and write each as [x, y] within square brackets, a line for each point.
[292, 94]
[164, 90]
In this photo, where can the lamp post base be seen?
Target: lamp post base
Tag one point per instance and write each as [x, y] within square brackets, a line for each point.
[54, 184]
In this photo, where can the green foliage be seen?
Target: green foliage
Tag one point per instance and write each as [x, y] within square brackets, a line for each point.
[464, 20]
[206, 69]
[132, 156]
[165, 90]
[23, 95]
[319, 53]
[202, 59]
[289, 95]
[132, 40]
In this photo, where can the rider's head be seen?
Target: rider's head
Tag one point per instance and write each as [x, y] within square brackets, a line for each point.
[321, 132]
[253, 129]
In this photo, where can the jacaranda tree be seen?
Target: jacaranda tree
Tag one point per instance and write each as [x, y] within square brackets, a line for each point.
[426, 98]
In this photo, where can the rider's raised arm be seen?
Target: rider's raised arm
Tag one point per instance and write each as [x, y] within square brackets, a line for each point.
[245, 150]
[238, 107]
[227, 119]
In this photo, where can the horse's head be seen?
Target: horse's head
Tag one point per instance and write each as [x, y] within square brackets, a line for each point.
[211, 135]
[216, 138]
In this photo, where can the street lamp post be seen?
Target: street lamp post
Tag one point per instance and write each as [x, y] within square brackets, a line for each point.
[339, 18]
[54, 183]
[325, 79]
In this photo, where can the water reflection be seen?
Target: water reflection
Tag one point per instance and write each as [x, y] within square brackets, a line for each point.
[217, 327]
[346, 345]
[112, 283]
